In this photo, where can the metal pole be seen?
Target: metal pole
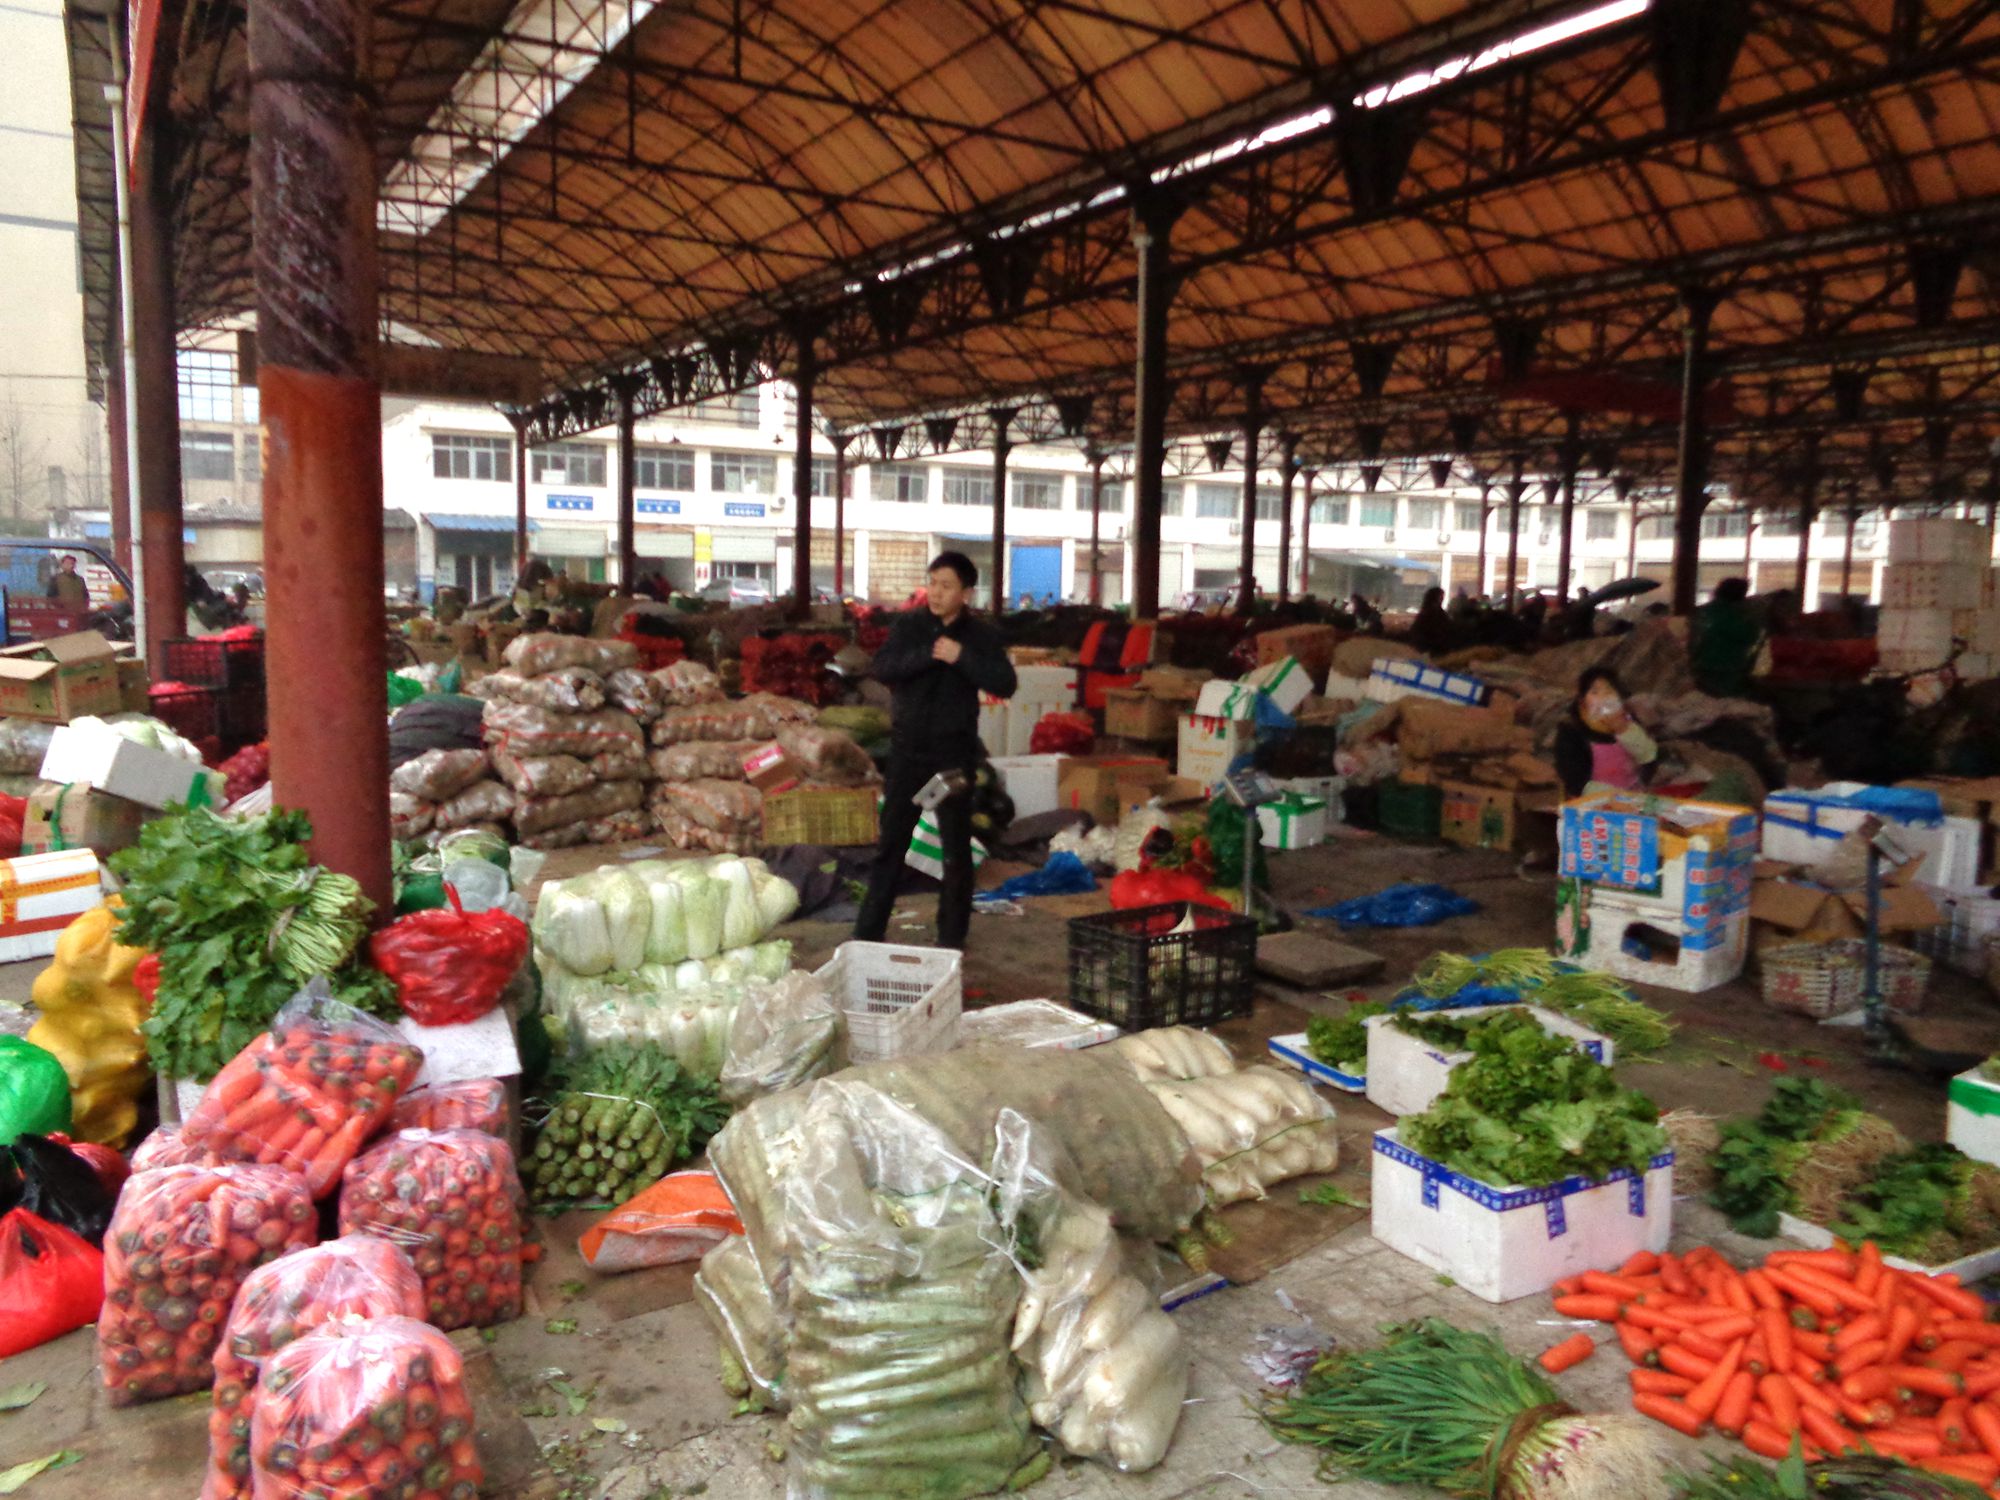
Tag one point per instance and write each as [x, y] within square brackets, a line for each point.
[1571, 456]
[1485, 522]
[1152, 225]
[840, 441]
[1515, 488]
[117, 451]
[1305, 536]
[1096, 512]
[122, 430]
[1691, 458]
[1253, 428]
[1001, 416]
[312, 194]
[628, 530]
[805, 378]
[1288, 448]
[520, 421]
[1847, 556]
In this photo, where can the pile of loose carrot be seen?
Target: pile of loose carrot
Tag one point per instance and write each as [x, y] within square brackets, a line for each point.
[1831, 1346]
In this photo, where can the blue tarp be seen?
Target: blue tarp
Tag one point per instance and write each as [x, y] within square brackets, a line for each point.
[1063, 875]
[1400, 906]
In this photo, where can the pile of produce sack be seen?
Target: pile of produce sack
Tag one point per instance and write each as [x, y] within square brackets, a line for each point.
[704, 800]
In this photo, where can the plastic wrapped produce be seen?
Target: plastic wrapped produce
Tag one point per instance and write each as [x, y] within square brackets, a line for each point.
[449, 965]
[410, 817]
[539, 814]
[788, 1032]
[569, 836]
[666, 932]
[827, 756]
[541, 652]
[732, 1292]
[1252, 1128]
[627, 914]
[165, 1148]
[451, 1200]
[571, 690]
[307, 1093]
[469, 1104]
[354, 1277]
[543, 775]
[683, 832]
[621, 765]
[739, 909]
[1170, 1052]
[726, 816]
[640, 694]
[780, 712]
[371, 1408]
[524, 731]
[570, 926]
[710, 721]
[620, 827]
[180, 1243]
[438, 775]
[24, 745]
[482, 802]
[720, 760]
[684, 682]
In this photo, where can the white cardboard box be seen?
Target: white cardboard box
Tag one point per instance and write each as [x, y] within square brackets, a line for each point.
[1500, 1243]
[1802, 828]
[1933, 585]
[1406, 1075]
[1285, 682]
[1612, 916]
[1292, 1050]
[1030, 781]
[1972, 1116]
[121, 767]
[1208, 746]
[45, 893]
[1293, 824]
[1226, 700]
[1939, 540]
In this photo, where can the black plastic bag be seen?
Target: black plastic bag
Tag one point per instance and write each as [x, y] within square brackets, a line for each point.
[52, 1182]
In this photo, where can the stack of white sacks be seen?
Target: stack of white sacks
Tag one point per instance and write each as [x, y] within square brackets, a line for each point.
[1937, 591]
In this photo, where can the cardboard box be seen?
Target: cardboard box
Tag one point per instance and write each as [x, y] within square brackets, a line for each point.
[1178, 684]
[1487, 817]
[1030, 780]
[61, 679]
[77, 816]
[770, 770]
[1089, 783]
[1137, 788]
[45, 893]
[1135, 714]
[1285, 682]
[112, 764]
[1428, 728]
[1311, 644]
[134, 684]
[1209, 746]
[1794, 910]
[1226, 700]
[1933, 585]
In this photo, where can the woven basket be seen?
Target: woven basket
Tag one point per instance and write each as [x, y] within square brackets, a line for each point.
[1821, 980]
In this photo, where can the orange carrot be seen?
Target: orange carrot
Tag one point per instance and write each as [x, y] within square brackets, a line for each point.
[1673, 1276]
[1860, 1331]
[1793, 1284]
[1571, 1351]
[1952, 1355]
[1902, 1330]
[1605, 1285]
[1985, 1424]
[1728, 1330]
[1982, 1380]
[1777, 1338]
[1827, 1432]
[1867, 1413]
[1951, 1423]
[1762, 1292]
[1965, 1328]
[1868, 1384]
[1569, 1286]
[1757, 1354]
[1674, 1414]
[1599, 1309]
[1841, 1290]
[1837, 1262]
[1733, 1410]
[1906, 1445]
[1700, 1343]
[1811, 1396]
[1645, 1263]
[1783, 1401]
[1766, 1441]
[1707, 1395]
[1685, 1362]
[1655, 1317]
[1659, 1383]
[1640, 1346]
[1818, 1345]
[1860, 1356]
[1868, 1267]
[1977, 1467]
[1942, 1383]
[1953, 1299]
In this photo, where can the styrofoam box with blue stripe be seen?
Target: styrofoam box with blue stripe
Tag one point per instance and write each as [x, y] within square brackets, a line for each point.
[1405, 1075]
[1432, 681]
[1292, 1050]
[1501, 1243]
[1806, 827]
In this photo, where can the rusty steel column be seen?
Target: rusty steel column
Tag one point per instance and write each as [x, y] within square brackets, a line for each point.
[1153, 218]
[1253, 429]
[624, 388]
[1515, 488]
[1847, 555]
[1288, 468]
[1096, 513]
[119, 461]
[312, 195]
[840, 442]
[1570, 457]
[1305, 536]
[1809, 478]
[155, 403]
[804, 379]
[1001, 417]
[1691, 458]
[1485, 520]
[521, 549]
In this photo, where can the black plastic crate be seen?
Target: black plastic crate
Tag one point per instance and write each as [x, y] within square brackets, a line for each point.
[1304, 750]
[1133, 967]
[211, 663]
[1361, 806]
[245, 719]
[192, 712]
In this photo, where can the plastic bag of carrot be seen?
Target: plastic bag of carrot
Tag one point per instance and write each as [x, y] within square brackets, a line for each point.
[346, 1278]
[452, 1201]
[1833, 1347]
[470, 1104]
[180, 1243]
[370, 1408]
[308, 1093]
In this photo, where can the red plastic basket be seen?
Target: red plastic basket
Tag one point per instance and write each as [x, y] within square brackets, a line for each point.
[190, 710]
[207, 661]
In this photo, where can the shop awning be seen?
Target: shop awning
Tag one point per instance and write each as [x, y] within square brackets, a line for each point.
[1380, 564]
[668, 544]
[455, 522]
[728, 547]
[570, 541]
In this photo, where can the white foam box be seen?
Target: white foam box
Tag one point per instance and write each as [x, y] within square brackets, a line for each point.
[1966, 919]
[1405, 1075]
[1285, 682]
[1292, 1051]
[1608, 917]
[1326, 788]
[1503, 1243]
[1030, 781]
[484, 1048]
[1914, 633]
[1296, 823]
[43, 894]
[1936, 539]
[1432, 681]
[1933, 585]
[1967, 1268]
[1208, 746]
[1226, 700]
[118, 766]
[1800, 828]
[1972, 1116]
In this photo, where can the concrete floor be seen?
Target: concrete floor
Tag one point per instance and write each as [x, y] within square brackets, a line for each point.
[657, 1424]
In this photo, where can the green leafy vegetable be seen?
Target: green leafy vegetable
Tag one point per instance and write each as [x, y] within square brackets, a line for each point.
[1343, 1043]
[1326, 1195]
[14, 1397]
[1758, 1159]
[1528, 1109]
[1852, 1478]
[1931, 1205]
[13, 1478]
[1598, 1001]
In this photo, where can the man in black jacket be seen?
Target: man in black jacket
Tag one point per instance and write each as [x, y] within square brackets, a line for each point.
[937, 661]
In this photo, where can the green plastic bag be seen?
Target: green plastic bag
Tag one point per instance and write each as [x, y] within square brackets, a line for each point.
[34, 1090]
[403, 690]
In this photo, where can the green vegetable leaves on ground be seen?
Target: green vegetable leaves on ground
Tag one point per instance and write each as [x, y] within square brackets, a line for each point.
[12, 1479]
[14, 1397]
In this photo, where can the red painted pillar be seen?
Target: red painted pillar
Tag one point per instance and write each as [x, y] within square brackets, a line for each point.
[156, 401]
[840, 441]
[312, 187]
[1305, 538]
[1288, 468]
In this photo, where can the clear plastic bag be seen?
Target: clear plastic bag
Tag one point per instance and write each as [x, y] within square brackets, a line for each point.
[1172, 1052]
[24, 745]
[683, 683]
[452, 1201]
[724, 806]
[569, 690]
[482, 802]
[719, 760]
[469, 1104]
[710, 721]
[791, 1033]
[307, 1093]
[681, 1217]
[1252, 1128]
[733, 1294]
[541, 652]
[165, 1148]
[780, 712]
[543, 775]
[355, 1277]
[410, 817]
[375, 1407]
[438, 775]
[828, 756]
[640, 694]
[534, 815]
[524, 731]
[621, 765]
[180, 1243]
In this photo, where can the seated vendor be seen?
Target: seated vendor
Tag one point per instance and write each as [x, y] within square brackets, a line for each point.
[1599, 747]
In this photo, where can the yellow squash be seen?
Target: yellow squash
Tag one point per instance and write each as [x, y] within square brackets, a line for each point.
[91, 1011]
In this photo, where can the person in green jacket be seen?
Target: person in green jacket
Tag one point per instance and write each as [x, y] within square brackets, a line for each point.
[1722, 646]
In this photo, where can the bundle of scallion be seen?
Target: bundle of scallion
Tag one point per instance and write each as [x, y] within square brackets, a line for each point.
[1437, 1405]
[1598, 1001]
[1853, 1478]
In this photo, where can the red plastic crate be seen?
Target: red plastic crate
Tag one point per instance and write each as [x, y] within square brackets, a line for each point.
[206, 661]
[191, 710]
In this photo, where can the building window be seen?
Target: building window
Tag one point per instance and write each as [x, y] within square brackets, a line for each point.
[1217, 501]
[1173, 499]
[1110, 497]
[968, 487]
[1035, 491]
[568, 463]
[1378, 510]
[908, 483]
[823, 478]
[1426, 515]
[743, 473]
[740, 409]
[663, 469]
[1655, 528]
[1468, 516]
[207, 383]
[253, 457]
[1780, 523]
[1600, 525]
[455, 456]
[208, 455]
[1270, 504]
[1725, 523]
[1330, 511]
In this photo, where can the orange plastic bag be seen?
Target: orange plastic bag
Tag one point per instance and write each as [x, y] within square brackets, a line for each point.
[681, 1217]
